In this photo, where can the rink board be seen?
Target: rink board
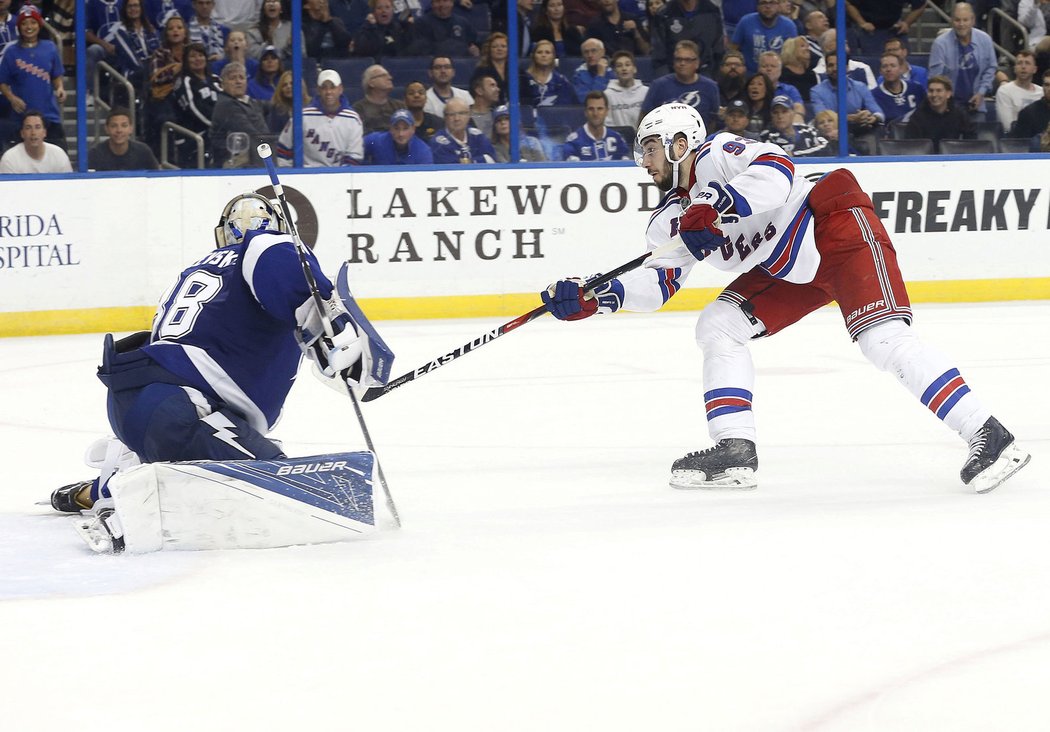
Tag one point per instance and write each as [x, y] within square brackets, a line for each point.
[90, 254]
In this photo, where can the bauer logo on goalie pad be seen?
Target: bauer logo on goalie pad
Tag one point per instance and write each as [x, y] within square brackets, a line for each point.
[310, 468]
[245, 504]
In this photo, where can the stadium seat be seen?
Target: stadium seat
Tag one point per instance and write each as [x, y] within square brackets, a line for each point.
[480, 17]
[914, 146]
[627, 133]
[412, 68]
[967, 147]
[464, 71]
[1015, 145]
[349, 69]
[645, 68]
[990, 131]
[568, 64]
[569, 115]
[552, 138]
[897, 131]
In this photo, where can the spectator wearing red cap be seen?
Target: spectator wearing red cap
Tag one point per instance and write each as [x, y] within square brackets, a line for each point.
[31, 75]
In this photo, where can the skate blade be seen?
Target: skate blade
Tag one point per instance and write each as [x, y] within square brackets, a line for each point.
[1012, 460]
[735, 479]
[96, 536]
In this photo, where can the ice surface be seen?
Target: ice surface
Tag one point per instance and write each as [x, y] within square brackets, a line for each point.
[546, 577]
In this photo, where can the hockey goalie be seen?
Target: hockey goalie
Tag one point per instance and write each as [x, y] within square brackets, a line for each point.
[192, 401]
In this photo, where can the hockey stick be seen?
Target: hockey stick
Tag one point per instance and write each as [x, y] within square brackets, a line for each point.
[266, 154]
[377, 391]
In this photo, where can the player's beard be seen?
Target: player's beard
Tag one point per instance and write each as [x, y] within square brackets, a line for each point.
[667, 182]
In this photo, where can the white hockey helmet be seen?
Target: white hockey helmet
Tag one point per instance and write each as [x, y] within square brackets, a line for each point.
[667, 121]
[248, 212]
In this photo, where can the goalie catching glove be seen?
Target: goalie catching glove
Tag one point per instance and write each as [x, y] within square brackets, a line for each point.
[354, 355]
[568, 300]
[698, 229]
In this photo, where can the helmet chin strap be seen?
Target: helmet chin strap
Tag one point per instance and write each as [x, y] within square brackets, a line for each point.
[677, 164]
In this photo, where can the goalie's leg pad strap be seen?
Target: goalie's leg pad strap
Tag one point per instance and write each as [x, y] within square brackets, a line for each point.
[249, 504]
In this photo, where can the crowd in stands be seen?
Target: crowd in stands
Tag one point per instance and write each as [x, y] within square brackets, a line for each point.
[390, 82]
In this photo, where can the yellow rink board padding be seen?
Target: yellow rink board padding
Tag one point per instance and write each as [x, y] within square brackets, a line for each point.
[98, 320]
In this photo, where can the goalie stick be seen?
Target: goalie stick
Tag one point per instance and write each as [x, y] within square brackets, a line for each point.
[266, 154]
[597, 281]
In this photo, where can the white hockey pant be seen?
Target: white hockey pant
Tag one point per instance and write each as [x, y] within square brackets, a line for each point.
[894, 347]
[722, 332]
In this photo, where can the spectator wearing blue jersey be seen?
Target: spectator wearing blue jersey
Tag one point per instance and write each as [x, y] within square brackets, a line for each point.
[31, 75]
[593, 141]
[909, 71]
[236, 49]
[457, 143]
[685, 85]
[733, 11]
[398, 145]
[542, 85]
[896, 97]
[158, 11]
[208, 32]
[442, 32]
[135, 40]
[100, 26]
[765, 30]
[8, 25]
[769, 63]
[861, 108]
[967, 57]
[863, 114]
[595, 73]
[264, 83]
[797, 139]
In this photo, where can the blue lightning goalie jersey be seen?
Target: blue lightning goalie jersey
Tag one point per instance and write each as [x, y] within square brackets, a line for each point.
[772, 227]
[227, 327]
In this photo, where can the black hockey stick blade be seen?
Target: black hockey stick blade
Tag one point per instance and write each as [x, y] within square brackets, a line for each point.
[377, 391]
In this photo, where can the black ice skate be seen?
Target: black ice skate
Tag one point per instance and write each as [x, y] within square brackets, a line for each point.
[994, 457]
[64, 499]
[730, 464]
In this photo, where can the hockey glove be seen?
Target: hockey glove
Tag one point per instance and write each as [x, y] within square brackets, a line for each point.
[567, 300]
[338, 361]
[698, 229]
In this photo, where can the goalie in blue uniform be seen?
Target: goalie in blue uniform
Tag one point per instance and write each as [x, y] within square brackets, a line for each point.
[210, 379]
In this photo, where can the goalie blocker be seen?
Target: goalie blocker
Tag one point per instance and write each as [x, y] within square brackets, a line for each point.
[240, 504]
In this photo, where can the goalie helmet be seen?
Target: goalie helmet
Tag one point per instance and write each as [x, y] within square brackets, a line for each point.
[248, 212]
[667, 121]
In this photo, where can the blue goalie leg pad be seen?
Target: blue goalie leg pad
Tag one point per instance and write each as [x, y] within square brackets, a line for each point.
[340, 483]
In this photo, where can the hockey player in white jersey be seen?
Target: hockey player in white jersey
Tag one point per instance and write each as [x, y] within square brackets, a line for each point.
[738, 205]
[209, 381]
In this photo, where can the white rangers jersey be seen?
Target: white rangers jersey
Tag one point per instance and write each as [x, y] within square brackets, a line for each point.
[771, 226]
[328, 140]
